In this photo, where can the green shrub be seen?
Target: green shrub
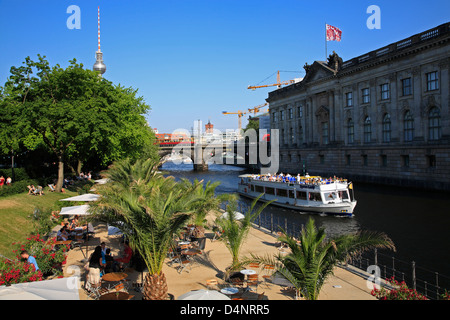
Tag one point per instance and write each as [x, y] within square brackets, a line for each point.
[19, 174]
[17, 187]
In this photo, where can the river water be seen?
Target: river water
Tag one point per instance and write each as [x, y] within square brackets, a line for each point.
[417, 221]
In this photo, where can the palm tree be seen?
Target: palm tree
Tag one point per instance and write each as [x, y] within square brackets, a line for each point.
[235, 232]
[312, 259]
[208, 201]
[149, 209]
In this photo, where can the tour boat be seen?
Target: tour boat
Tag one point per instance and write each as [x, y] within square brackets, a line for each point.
[302, 193]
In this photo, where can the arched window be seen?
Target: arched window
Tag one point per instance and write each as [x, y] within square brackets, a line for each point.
[350, 131]
[367, 130]
[387, 128]
[408, 126]
[434, 124]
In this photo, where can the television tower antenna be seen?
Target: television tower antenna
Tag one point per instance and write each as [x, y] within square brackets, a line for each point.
[99, 66]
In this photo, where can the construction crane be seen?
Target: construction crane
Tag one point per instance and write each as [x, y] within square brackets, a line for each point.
[256, 109]
[240, 114]
[279, 83]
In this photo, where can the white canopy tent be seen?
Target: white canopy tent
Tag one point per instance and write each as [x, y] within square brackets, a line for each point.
[75, 210]
[56, 289]
[83, 197]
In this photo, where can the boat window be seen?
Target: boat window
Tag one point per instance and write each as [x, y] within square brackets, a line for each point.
[291, 194]
[259, 189]
[344, 195]
[314, 196]
[282, 193]
[270, 190]
[252, 187]
[331, 196]
[301, 195]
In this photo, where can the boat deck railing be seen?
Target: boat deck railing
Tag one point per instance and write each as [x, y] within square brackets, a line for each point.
[308, 181]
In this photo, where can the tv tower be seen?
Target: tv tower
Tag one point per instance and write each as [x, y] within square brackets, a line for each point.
[99, 65]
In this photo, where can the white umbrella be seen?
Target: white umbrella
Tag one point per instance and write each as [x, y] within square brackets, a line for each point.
[56, 289]
[114, 231]
[75, 210]
[83, 197]
[237, 216]
[101, 181]
[203, 295]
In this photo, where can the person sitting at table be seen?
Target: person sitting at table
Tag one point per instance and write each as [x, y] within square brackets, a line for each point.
[76, 224]
[120, 263]
[63, 234]
[108, 261]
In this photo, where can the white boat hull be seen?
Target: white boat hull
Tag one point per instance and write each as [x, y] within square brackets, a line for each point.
[338, 206]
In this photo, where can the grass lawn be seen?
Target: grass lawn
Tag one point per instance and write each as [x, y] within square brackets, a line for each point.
[15, 215]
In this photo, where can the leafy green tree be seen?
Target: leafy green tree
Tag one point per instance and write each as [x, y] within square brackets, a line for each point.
[312, 259]
[75, 113]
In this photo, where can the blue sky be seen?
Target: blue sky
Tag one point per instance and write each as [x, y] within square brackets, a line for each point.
[193, 59]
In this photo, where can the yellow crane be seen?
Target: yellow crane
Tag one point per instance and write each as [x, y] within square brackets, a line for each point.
[239, 114]
[256, 109]
[279, 83]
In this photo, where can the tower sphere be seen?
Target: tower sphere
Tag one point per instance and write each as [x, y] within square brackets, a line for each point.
[99, 66]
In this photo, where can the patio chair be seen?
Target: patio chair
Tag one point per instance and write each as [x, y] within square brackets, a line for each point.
[217, 236]
[237, 282]
[280, 245]
[90, 230]
[200, 244]
[212, 284]
[185, 264]
[252, 282]
[95, 290]
[269, 270]
[78, 240]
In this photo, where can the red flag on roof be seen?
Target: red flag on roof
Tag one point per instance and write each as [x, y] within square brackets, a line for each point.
[333, 33]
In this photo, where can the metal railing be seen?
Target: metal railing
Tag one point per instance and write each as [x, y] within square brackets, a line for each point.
[426, 282]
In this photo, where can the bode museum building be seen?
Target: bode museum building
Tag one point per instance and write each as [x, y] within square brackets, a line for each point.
[382, 117]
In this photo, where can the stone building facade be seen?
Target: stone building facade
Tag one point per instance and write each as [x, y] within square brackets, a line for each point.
[382, 117]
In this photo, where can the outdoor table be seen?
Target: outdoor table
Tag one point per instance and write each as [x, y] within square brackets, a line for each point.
[190, 252]
[229, 290]
[248, 271]
[116, 296]
[63, 242]
[116, 277]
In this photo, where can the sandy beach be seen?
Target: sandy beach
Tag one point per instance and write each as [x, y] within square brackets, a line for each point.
[211, 264]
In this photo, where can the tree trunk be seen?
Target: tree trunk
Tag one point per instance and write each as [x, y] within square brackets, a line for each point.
[79, 166]
[155, 287]
[60, 182]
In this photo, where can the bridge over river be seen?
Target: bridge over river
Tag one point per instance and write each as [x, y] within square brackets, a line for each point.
[238, 154]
